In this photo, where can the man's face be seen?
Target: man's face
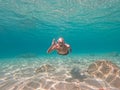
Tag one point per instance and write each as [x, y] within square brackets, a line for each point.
[61, 43]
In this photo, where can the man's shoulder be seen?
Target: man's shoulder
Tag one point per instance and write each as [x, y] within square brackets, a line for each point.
[67, 45]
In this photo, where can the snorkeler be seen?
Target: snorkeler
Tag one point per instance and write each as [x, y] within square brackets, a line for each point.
[60, 46]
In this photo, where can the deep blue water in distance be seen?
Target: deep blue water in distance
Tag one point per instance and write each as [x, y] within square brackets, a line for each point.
[89, 26]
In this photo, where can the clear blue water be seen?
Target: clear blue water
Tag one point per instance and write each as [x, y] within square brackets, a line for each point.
[28, 26]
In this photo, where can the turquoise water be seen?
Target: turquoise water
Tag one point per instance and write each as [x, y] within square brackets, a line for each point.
[28, 26]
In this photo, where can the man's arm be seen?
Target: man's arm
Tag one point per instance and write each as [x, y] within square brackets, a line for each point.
[52, 47]
[70, 49]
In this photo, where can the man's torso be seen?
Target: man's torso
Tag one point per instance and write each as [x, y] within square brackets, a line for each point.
[62, 49]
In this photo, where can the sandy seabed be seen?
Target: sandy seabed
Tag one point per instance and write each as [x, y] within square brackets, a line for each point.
[60, 73]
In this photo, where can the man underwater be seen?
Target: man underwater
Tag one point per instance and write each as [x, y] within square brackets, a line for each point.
[60, 46]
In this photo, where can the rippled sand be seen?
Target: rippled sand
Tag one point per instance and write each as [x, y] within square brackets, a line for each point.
[19, 73]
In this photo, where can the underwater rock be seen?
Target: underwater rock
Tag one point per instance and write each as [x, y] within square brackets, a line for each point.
[76, 73]
[95, 83]
[45, 68]
[107, 71]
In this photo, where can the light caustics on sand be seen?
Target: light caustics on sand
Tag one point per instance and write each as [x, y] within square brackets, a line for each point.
[20, 73]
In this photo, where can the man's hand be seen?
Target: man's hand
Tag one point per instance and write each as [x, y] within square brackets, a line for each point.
[53, 41]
